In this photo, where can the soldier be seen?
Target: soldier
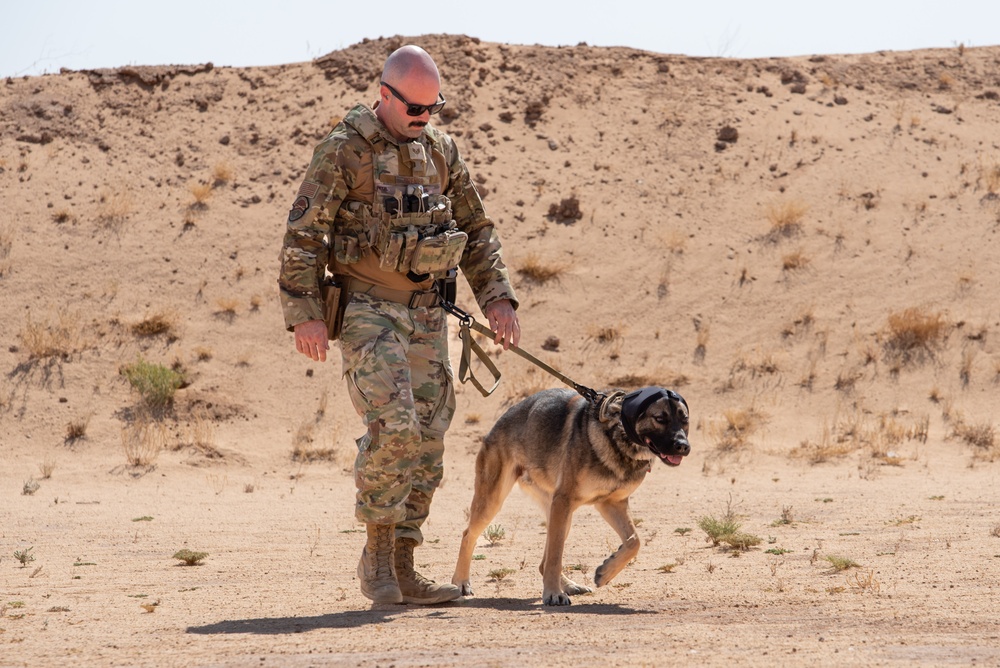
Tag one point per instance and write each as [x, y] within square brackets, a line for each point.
[388, 206]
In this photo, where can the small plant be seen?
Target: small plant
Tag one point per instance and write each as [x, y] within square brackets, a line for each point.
[786, 517]
[913, 331]
[155, 383]
[494, 533]
[841, 563]
[226, 307]
[25, 557]
[46, 468]
[682, 531]
[717, 529]
[865, 582]
[777, 550]
[498, 574]
[667, 568]
[995, 531]
[201, 193]
[794, 261]
[144, 518]
[785, 219]
[538, 271]
[741, 541]
[189, 557]
[478, 557]
[114, 209]
[30, 487]
[222, 174]
[142, 441]
[150, 607]
[62, 216]
[61, 339]
[156, 324]
[77, 429]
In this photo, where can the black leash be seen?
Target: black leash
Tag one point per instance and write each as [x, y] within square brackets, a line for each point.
[469, 345]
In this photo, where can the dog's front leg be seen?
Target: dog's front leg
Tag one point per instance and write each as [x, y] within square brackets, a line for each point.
[616, 514]
[560, 513]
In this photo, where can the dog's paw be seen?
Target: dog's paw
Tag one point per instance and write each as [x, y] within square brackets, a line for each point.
[465, 586]
[555, 598]
[571, 588]
[601, 576]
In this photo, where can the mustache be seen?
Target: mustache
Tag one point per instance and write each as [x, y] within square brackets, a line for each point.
[417, 124]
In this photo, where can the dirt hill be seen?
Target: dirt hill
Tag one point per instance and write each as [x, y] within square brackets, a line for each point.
[805, 248]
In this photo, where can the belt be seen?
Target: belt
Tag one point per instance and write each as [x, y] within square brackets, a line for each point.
[411, 298]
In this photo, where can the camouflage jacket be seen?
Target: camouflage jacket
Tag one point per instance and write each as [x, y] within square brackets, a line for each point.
[355, 174]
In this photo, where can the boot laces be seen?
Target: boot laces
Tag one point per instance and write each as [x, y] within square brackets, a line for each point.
[383, 552]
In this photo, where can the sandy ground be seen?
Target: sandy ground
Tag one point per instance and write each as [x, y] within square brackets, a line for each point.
[757, 235]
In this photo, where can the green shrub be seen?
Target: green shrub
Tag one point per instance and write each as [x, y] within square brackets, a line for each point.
[155, 383]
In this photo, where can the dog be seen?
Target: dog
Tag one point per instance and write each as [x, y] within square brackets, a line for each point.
[566, 452]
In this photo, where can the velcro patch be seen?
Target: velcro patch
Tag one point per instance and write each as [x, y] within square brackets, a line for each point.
[309, 189]
[299, 208]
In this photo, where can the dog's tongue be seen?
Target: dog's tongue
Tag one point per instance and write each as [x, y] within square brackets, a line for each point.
[673, 460]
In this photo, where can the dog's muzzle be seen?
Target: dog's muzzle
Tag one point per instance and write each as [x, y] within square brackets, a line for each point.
[634, 405]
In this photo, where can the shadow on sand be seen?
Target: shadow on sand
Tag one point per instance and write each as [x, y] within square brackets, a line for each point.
[378, 614]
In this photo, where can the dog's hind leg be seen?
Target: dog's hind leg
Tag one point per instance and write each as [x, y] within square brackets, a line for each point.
[495, 477]
[616, 514]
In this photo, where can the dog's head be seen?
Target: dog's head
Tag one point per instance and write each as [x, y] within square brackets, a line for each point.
[658, 419]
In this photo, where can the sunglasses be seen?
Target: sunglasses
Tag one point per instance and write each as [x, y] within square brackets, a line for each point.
[417, 109]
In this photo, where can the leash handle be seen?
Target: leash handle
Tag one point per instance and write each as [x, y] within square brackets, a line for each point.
[467, 322]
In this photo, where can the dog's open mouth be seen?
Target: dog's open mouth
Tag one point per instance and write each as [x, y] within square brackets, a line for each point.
[670, 460]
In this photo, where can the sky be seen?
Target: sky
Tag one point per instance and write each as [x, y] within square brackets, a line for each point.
[42, 36]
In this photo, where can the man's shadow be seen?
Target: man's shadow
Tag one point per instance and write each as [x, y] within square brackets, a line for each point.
[379, 614]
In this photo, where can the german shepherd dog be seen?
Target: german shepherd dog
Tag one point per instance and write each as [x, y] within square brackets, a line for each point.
[565, 452]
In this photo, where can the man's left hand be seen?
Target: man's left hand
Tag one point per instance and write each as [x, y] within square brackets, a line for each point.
[503, 321]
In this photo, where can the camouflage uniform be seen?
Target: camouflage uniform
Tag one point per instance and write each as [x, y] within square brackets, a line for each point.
[395, 358]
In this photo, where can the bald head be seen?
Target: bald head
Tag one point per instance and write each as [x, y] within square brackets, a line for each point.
[410, 62]
[409, 74]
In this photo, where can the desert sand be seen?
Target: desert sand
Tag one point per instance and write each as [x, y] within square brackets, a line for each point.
[805, 248]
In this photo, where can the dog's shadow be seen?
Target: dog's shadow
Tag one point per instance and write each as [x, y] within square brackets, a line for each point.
[378, 614]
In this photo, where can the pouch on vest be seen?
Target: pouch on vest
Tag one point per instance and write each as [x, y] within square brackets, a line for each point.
[438, 253]
[334, 305]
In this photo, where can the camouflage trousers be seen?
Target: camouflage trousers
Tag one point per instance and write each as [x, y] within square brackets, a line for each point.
[400, 381]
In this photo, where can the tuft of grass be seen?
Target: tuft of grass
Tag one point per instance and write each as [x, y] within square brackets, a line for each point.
[142, 441]
[716, 529]
[494, 533]
[61, 339]
[841, 563]
[46, 468]
[201, 192]
[155, 383]
[226, 307]
[144, 518]
[539, 271]
[914, 330]
[222, 173]
[785, 219]
[682, 531]
[734, 432]
[77, 429]
[30, 487]
[114, 209]
[160, 323]
[794, 261]
[189, 557]
[668, 568]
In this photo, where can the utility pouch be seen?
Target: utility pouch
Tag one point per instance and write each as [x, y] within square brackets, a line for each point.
[390, 252]
[447, 287]
[438, 253]
[334, 304]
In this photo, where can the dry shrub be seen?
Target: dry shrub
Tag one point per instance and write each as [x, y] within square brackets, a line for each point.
[143, 439]
[226, 307]
[114, 209]
[981, 436]
[989, 176]
[794, 261]
[785, 219]
[60, 339]
[913, 332]
[523, 386]
[538, 271]
[160, 323]
[222, 173]
[733, 434]
[77, 429]
[879, 435]
[201, 192]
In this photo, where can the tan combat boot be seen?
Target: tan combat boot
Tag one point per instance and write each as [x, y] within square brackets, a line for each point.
[375, 570]
[414, 586]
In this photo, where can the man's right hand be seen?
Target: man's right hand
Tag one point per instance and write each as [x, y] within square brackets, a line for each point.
[311, 341]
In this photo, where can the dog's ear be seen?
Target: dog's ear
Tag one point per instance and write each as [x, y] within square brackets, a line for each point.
[677, 397]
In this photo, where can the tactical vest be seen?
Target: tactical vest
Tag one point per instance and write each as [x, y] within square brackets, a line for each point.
[409, 223]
